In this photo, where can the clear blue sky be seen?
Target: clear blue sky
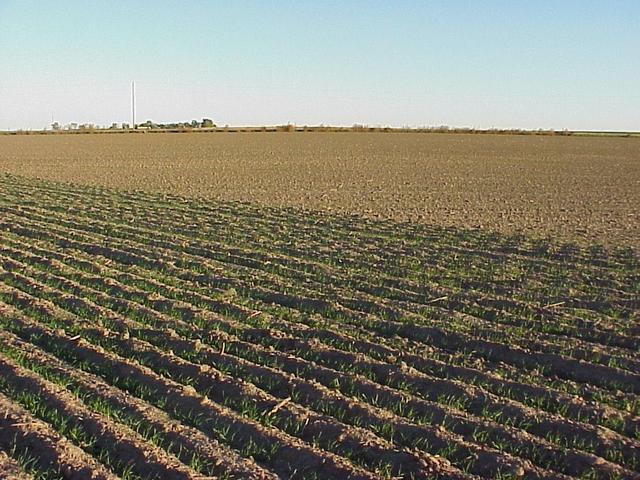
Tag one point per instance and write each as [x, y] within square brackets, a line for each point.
[535, 64]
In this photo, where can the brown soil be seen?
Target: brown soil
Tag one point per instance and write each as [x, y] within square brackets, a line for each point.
[570, 188]
[486, 460]
[544, 423]
[10, 469]
[357, 348]
[52, 452]
[123, 443]
[294, 459]
[187, 441]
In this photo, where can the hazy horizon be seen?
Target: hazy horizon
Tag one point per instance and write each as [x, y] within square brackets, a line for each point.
[550, 65]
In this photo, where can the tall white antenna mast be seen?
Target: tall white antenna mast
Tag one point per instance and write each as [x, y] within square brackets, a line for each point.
[133, 105]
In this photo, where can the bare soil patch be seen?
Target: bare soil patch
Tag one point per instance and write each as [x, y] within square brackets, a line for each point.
[584, 189]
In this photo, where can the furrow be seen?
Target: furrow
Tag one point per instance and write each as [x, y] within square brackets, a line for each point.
[344, 226]
[165, 304]
[10, 469]
[286, 455]
[165, 325]
[169, 336]
[43, 448]
[369, 321]
[508, 411]
[561, 365]
[316, 428]
[231, 258]
[126, 449]
[253, 259]
[168, 218]
[188, 444]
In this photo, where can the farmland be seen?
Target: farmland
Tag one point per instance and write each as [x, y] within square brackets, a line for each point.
[584, 189]
[317, 306]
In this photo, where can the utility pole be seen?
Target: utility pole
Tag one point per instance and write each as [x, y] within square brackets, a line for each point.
[133, 105]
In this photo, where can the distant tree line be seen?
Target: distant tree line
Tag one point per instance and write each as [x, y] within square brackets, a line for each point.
[148, 125]
[205, 123]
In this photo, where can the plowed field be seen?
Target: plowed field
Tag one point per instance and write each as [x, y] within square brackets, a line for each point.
[150, 335]
[584, 189]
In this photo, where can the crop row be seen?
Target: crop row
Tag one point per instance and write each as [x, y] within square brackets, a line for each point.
[149, 336]
[292, 267]
[486, 307]
[610, 377]
[132, 313]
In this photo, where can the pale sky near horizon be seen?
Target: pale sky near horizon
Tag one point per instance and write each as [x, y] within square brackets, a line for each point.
[506, 64]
